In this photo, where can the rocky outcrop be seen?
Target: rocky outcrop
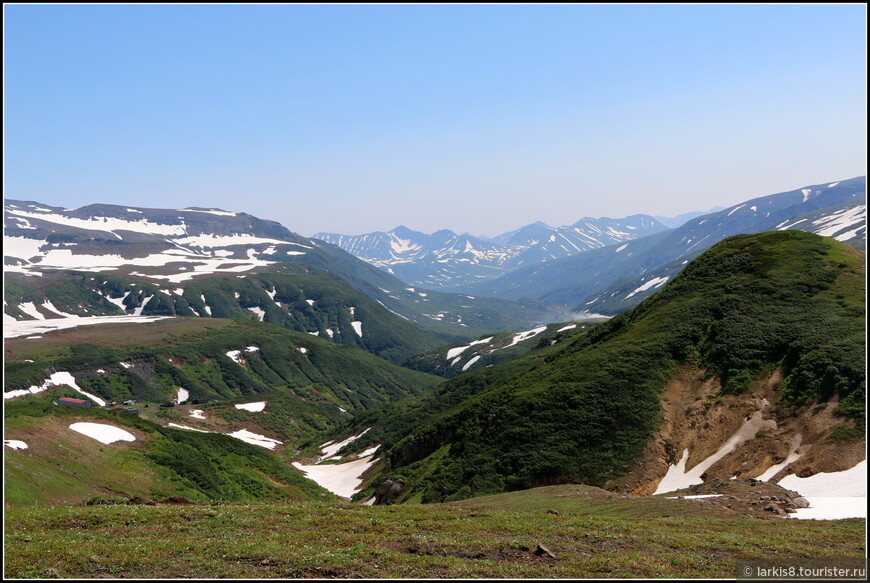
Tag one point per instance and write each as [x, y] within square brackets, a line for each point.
[699, 420]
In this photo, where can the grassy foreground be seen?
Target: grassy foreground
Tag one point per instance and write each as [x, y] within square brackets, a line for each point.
[590, 534]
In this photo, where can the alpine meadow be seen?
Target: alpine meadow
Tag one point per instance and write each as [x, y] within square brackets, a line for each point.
[585, 298]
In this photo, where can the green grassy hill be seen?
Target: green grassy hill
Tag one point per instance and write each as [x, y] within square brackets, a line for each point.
[585, 411]
[592, 536]
[61, 466]
[304, 302]
[493, 349]
[307, 380]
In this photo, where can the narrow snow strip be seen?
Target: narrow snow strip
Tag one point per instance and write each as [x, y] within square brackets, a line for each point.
[695, 496]
[27, 327]
[329, 449]
[103, 433]
[211, 212]
[655, 282]
[197, 414]
[468, 364]
[14, 444]
[30, 309]
[210, 240]
[357, 327]
[792, 456]
[58, 378]
[454, 352]
[186, 427]
[568, 327]
[47, 305]
[109, 224]
[678, 477]
[65, 378]
[735, 209]
[138, 311]
[253, 407]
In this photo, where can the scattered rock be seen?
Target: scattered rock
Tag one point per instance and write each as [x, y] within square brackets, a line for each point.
[542, 550]
[387, 492]
[800, 502]
[551, 511]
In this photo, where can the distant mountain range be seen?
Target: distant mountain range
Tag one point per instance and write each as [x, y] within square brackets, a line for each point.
[113, 260]
[613, 278]
[445, 260]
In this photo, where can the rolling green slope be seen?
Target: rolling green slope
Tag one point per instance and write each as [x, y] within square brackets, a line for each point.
[61, 466]
[310, 382]
[311, 303]
[585, 411]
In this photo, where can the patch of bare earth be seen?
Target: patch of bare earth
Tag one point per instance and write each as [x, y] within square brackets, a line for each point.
[697, 419]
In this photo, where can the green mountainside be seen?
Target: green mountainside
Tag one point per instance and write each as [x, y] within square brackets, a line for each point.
[583, 412]
[311, 303]
[456, 358]
[61, 466]
[307, 380]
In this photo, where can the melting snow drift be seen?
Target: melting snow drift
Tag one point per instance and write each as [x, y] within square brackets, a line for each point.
[103, 433]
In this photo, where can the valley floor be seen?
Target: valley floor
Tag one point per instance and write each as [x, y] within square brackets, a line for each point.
[588, 535]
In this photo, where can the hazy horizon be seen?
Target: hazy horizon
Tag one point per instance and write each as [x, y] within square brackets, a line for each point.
[475, 118]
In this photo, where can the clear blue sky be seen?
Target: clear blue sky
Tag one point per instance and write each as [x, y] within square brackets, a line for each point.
[475, 118]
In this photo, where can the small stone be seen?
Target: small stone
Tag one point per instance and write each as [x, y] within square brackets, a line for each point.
[551, 511]
[542, 550]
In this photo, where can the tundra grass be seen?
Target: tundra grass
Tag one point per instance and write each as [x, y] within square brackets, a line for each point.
[588, 538]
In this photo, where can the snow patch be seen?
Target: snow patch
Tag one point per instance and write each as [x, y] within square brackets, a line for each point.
[329, 449]
[678, 477]
[468, 364]
[252, 407]
[259, 312]
[103, 433]
[655, 282]
[14, 444]
[255, 439]
[30, 309]
[177, 426]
